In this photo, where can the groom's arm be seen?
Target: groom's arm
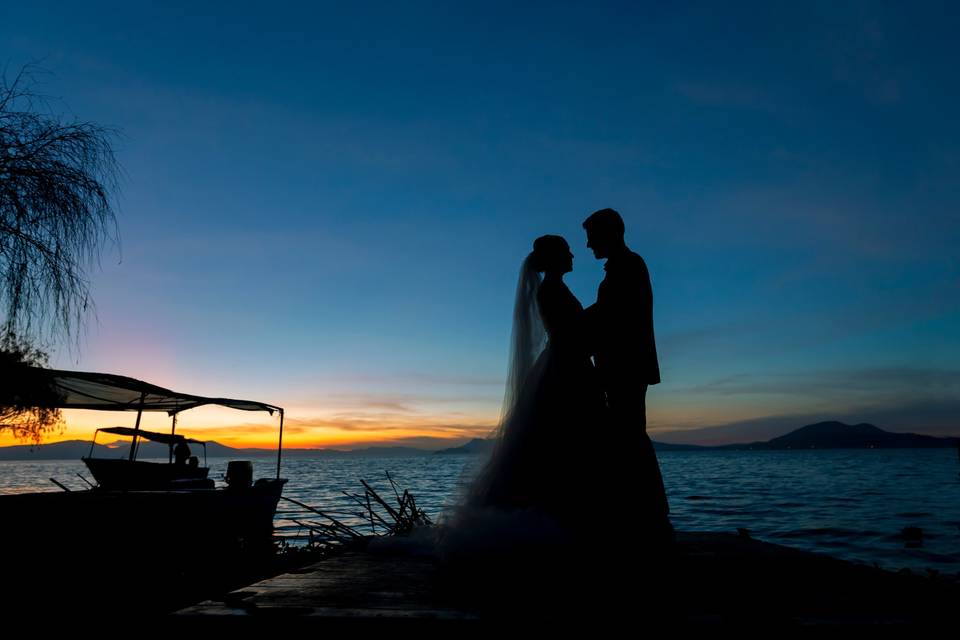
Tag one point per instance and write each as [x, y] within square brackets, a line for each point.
[592, 324]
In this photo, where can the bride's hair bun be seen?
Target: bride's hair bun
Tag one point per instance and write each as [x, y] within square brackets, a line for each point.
[546, 249]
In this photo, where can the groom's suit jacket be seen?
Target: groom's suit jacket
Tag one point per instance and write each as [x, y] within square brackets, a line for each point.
[621, 324]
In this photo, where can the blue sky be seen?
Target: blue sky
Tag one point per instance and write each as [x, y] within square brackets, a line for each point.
[325, 205]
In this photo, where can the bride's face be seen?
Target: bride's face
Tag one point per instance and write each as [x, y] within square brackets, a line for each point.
[561, 261]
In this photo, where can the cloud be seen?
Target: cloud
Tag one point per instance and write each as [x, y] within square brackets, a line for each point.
[728, 96]
[696, 340]
[452, 380]
[419, 442]
[386, 423]
[903, 382]
[376, 398]
[862, 56]
[371, 403]
[350, 431]
[418, 378]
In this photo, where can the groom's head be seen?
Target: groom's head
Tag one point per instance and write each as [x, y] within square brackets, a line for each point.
[604, 232]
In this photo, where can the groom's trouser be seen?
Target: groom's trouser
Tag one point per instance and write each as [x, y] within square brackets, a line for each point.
[628, 408]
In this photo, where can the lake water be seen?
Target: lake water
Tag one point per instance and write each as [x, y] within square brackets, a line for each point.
[852, 504]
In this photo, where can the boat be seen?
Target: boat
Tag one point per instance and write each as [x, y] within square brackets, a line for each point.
[134, 504]
[125, 474]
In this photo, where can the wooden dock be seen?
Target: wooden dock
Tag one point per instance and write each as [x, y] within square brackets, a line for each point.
[712, 579]
[355, 587]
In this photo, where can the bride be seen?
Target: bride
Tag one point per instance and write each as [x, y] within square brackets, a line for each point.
[532, 490]
[522, 537]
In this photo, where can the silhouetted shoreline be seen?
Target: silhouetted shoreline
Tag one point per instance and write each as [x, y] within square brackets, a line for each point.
[823, 435]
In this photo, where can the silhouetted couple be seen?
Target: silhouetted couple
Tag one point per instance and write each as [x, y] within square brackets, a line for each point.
[572, 451]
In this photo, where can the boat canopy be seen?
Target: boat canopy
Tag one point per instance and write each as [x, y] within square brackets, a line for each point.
[57, 389]
[110, 392]
[162, 438]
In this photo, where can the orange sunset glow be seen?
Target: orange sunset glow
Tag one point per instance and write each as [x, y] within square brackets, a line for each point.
[304, 428]
[344, 427]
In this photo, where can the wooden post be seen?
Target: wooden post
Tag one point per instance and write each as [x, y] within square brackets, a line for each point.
[136, 428]
[280, 444]
[173, 432]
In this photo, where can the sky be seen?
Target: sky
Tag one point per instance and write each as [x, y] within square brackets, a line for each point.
[325, 205]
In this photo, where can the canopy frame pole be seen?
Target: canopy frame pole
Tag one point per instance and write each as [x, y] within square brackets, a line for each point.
[173, 432]
[136, 427]
[280, 445]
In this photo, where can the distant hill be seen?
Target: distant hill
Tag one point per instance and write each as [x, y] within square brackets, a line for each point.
[75, 449]
[480, 445]
[66, 450]
[472, 448]
[837, 435]
[665, 446]
[822, 435]
[376, 452]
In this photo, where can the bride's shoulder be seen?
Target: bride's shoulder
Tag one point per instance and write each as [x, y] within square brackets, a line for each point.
[550, 290]
[554, 291]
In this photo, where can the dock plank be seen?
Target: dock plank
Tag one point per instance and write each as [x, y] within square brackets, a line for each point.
[352, 585]
[711, 579]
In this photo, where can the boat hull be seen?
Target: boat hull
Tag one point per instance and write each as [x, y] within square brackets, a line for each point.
[147, 550]
[204, 521]
[118, 473]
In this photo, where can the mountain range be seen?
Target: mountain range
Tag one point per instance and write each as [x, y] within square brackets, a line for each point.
[822, 435]
[75, 449]
[837, 435]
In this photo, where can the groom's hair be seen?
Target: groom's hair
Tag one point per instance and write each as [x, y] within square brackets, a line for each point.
[606, 222]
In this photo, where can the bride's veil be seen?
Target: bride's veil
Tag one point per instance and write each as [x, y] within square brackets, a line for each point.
[527, 338]
[471, 526]
[527, 341]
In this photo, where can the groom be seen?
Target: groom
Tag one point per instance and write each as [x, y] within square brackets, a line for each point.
[620, 325]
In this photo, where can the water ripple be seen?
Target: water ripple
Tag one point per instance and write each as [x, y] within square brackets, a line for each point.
[851, 504]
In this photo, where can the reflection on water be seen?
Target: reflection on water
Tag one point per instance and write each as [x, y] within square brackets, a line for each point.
[853, 504]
